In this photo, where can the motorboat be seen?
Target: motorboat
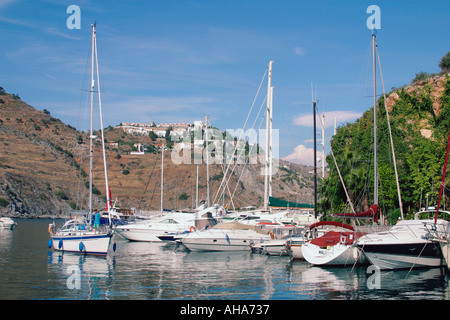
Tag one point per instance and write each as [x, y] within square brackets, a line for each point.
[225, 236]
[281, 238]
[407, 244]
[7, 223]
[165, 227]
[77, 235]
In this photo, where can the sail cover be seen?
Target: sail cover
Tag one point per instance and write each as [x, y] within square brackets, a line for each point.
[372, 213]
[279, 203]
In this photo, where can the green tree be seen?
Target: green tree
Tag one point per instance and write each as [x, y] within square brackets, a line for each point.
[444, 64]
[152, 135]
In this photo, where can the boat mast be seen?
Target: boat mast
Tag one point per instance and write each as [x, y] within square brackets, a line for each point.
[91, 132]
[108, 197]
[315, 159]
[207, 162]
[162, 178]
[375, 159]
[268, 138]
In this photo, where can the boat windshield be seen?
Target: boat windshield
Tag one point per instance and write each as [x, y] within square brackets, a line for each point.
[74, 225]
[168, 221]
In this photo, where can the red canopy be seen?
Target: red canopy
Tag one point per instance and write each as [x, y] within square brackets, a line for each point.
[330, 223]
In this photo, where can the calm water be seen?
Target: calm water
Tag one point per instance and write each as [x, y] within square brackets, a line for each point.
[149, 271]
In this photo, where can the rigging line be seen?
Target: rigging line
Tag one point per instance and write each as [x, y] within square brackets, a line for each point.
[245, 163]
[337, 168]
[245, 123]
[391, 139]
[243, 149]
[148, 182]
[415, 261]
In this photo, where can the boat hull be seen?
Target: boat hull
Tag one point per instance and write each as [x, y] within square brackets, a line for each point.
[143, 234]
[337, 255]
[392, 256]
[84, 244]
[445, 249]
[220, 240]
[296, 251]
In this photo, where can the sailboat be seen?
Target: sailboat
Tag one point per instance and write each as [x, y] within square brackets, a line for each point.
[78, 235]
[336, 247]
[409, 243]
[340, 247]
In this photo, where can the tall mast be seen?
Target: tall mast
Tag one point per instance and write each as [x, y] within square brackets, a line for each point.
[91, 132]
[108, 198]
[268, 135]
[375, 157]
[162, 178]
[315, 160]
[207, 162]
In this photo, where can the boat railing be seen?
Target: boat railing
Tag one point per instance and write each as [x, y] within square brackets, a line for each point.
[434, 234]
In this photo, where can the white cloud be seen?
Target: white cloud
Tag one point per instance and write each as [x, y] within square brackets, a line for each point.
[329, 118]
[300, 51]
[301, 155]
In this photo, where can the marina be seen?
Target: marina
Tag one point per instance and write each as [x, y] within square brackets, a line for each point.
[230, 209]
[167, 271]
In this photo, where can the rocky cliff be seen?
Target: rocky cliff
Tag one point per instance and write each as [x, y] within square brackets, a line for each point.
[44, 170]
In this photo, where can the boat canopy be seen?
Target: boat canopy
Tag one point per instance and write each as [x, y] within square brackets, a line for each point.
[332, 238]
[372, 213]
[279, 203]
[234, 225]
[330, 223]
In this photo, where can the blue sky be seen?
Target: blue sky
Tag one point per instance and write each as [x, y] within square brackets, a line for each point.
[178, 61]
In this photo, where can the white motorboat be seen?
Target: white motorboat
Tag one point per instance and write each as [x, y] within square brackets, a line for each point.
[407, 244]
[294, 248]
[7, 223]
[153, 230]
[278, 247]
[281, 238]
[225, 236]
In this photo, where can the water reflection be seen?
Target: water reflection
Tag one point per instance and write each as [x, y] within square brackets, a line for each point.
[139, 270]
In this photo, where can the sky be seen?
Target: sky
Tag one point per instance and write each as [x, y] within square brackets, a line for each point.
[182, 60]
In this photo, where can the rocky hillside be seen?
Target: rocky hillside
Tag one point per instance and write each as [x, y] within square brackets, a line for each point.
[420, 120]
[44, 170]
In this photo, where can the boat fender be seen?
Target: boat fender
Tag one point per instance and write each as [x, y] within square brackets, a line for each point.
[192, 229]
[60, 244]
[272, 236]
[228, 238]
[114, 247]
[81, 246]
[50, 243]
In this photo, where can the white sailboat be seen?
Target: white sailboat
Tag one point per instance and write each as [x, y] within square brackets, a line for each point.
[78, 235]
[341, 248]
